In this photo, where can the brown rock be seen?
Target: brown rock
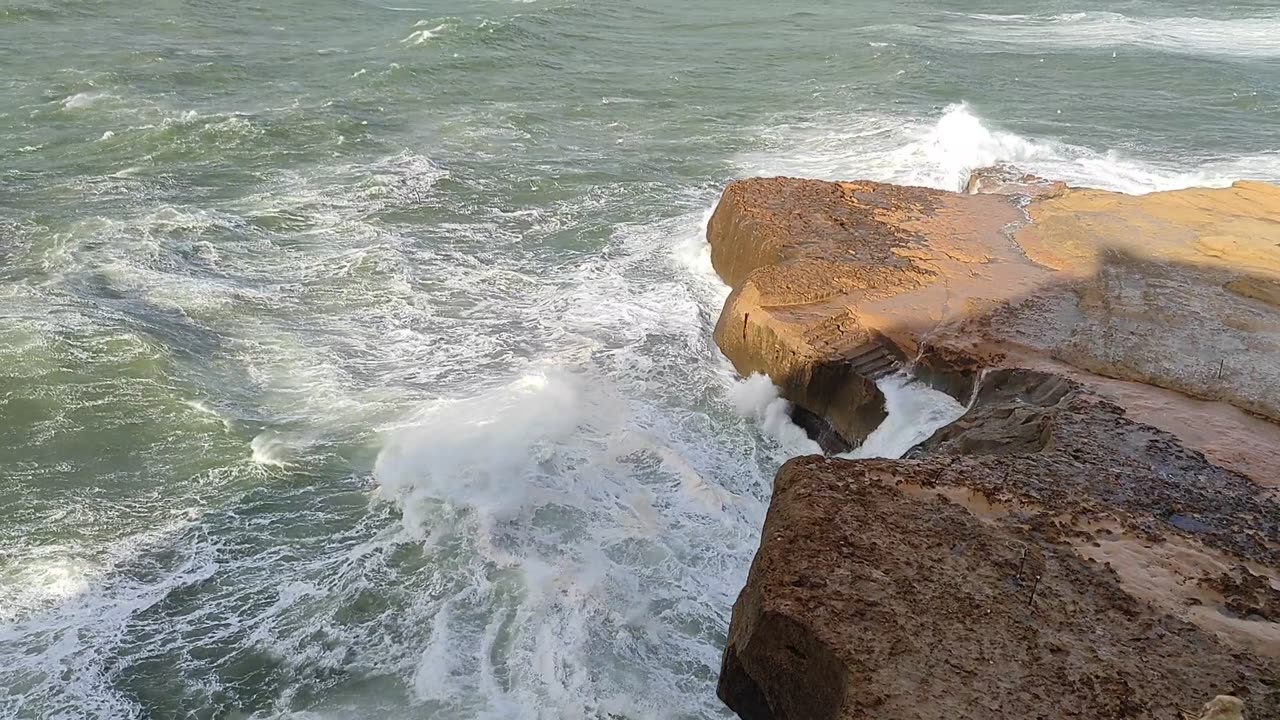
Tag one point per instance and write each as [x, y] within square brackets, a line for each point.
[869, 600]
[806, 257]
[1008, 180]
[1172, 290]
[1045, 555]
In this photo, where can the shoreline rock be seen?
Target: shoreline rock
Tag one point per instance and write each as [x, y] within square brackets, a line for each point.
[1072, 318]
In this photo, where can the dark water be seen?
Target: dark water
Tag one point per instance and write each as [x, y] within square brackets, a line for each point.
[355, 357]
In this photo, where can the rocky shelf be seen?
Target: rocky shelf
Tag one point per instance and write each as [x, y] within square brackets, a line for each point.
[1098, 536]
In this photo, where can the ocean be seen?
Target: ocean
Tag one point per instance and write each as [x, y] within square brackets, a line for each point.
[356, 358]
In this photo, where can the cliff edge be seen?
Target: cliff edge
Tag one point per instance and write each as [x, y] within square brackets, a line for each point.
[1098, 536]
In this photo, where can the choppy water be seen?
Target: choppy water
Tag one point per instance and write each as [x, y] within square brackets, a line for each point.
[355, 357]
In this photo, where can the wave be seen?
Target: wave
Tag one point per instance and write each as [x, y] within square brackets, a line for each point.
[557, 528]
[943, 152]
[915, 411]
[424, 34]
[758, 398]
[1239, 37]
[84, 99]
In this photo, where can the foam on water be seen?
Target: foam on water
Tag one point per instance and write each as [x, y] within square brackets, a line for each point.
[579, 530]
[77, 620]
[569, 479]
[82, 100]
[1236, 37]
[424, 34]
[941, 153]
[915, 411]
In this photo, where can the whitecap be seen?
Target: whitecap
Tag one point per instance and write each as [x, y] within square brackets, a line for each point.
[418, 37]
[1254, 37]
[82, 100]
[270, 448]
[942, 153]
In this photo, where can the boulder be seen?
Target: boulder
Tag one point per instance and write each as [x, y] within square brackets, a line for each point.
[1044, 556]
[1098, 536]
[1008, 180]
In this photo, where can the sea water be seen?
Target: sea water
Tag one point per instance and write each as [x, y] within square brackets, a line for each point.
[356, 356]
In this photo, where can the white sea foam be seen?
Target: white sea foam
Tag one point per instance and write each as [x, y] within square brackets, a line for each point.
[74, 607]
[758, 398]
[83, 100]
[269, 448]
[424, 34]
[581, 530]
[942, 152]
[571, 508]
[915, 412]
[1239, 37]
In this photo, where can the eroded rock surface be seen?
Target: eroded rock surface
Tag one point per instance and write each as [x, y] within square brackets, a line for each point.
[870, 599]
[1175, 290]
[1043, 556]
[1098, 536]
[1008, 180]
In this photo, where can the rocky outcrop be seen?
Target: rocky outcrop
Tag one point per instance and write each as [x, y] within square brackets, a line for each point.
[1098, 536]
[1175, 290]
[808, 259]
[1008, 180]
[1043, 557]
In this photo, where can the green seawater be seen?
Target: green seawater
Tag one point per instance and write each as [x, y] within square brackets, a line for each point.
[356, 359]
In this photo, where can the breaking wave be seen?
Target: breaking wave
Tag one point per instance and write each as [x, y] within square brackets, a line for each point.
[1237, 37]
[943, 152]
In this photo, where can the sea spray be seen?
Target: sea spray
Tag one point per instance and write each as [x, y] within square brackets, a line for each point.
[915, 412]
[943, 151]
[757, 397]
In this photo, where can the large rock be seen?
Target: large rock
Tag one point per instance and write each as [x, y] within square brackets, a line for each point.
[1099, 535]
[811, 262]
[1043, 557]
[1179, 290]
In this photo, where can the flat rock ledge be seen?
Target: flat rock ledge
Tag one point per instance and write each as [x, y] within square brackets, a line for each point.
[1098, 536]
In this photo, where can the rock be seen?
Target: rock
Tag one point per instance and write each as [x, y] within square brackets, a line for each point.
[1173, 290]
[1046, 555]
[904, 589]
[874, 596]
[1008, 180]
[1168, 289]
[803, 256]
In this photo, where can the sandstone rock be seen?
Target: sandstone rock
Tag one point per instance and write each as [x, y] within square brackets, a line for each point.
[1173, 290]
[805, 256]
[1045, 555]
[869, 599]
[1008, 180]
[1041, 557]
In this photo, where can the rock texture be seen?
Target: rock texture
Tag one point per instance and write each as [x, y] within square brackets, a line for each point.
[1176, 290]
[1098, 536]
[1007, 180]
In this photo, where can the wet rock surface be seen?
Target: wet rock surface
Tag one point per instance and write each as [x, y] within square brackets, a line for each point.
[1050, 554]
[1008, 180]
